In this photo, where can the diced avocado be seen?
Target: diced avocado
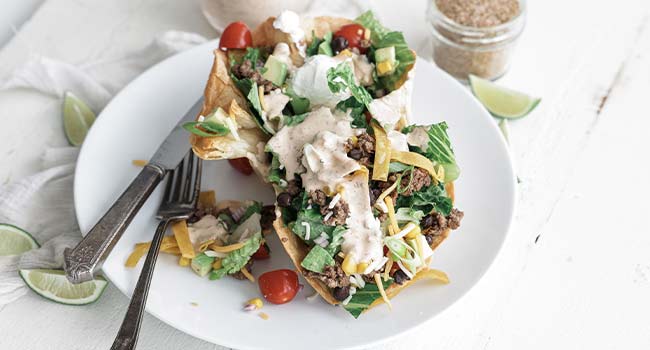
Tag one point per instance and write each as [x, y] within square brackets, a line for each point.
[385, 54]
[299, 104]
[218, 116]
[325, 49]
[202, 264]
[276, 70]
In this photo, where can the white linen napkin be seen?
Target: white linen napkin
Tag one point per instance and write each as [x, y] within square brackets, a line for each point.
[42, 204]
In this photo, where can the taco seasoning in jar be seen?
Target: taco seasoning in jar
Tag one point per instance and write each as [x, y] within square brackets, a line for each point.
[475, 36]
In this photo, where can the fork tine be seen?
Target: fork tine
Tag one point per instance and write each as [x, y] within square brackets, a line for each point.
[196, 175]
[189, 175]
[178, 173]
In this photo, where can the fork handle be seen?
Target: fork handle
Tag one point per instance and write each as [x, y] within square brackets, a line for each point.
[127, 337]
[81, 262]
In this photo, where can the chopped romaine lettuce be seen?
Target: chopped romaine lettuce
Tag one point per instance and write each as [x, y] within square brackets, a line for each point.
[312, 48]
[317, 259]
[276, 175]
[403, 215]
[362, 299]
[357, 110]
[341, 77]
[433, 197]
[237, 259]
[398, 167]
[292, 120]
[439, 149]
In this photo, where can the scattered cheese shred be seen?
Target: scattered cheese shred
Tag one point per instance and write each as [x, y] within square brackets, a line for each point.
[260, 91]
[418, 160]
[389, 266]
[182, 234]
[204, 246]
[139, 162]
[382, 153]
[391, 214]
[380, 286]
[380, 199]
[183, 261]
[248, 275]
[207, 199]
[226, 249]
[263, 316]
[217, 263]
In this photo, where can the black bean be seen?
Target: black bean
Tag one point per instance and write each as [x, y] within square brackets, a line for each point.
[427, 221]
[355, 154]
[429, 239]
[339, 44]
[341, 293]
[399, 277]
[284, 200]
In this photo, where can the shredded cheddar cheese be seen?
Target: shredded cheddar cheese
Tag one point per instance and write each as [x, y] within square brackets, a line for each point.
[391, 213]
[389, 266]
[226, 249]
[139, 162]
[217, 263]
[263, 316]
[248, 275]
[204, 246]
[380, 286]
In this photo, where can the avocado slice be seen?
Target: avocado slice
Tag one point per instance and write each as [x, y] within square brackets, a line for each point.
[325, 49]
[276, 71]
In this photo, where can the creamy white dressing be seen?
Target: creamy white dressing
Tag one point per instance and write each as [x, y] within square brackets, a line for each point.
[397, 141]
[274, 103]
[209, 227]
[326, 161]
[419, 137]
[388, 109]
[288, 143]
[310, 81]
[289, 22]
[362, 70]
[363, 239]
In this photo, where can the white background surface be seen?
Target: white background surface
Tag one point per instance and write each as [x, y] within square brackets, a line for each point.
[574, 272]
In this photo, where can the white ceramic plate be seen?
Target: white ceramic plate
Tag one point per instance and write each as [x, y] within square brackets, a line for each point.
[137, 120]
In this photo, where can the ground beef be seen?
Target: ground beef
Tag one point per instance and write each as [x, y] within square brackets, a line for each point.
[333, 276]
[384, 185]
[363, 150]
[268, 216]
[239, 275]
[420, 179]
[246, 70]
[435, 223]
[293, 187]
[340, 211]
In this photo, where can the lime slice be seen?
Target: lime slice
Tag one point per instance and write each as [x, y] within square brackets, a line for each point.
[14, 241]
[502, 102]
[53, 285]
[77, 118]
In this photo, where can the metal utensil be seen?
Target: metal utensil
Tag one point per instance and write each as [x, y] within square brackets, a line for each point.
[81, 262]
[179, 202]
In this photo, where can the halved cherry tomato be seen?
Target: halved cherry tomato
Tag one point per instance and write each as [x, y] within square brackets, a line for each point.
[242, 165]
[279, 286]
[262, 253]
[354, 34]
[236, 36]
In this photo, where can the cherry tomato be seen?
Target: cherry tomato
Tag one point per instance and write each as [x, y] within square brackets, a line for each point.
[354, 34]
[279, 286]
[262, 253]
[236, 36]
[242, 165]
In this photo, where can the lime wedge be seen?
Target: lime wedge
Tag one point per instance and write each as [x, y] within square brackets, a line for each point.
[53, 285]
[77, 118]
[14, 241]
[502, 102]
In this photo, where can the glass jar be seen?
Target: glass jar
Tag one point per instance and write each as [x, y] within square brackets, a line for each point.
[482, 51]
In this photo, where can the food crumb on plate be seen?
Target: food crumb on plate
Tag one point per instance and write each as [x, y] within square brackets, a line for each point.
[263, 316]
[139, 162]
[194, 303]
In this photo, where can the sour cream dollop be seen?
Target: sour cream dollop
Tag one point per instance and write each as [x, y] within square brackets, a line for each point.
[310, 81]
[289, 22]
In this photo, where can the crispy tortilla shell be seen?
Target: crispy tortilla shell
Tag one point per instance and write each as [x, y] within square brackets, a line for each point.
[297, 250]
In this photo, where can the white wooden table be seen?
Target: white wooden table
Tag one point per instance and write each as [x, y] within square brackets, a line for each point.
[574, 272]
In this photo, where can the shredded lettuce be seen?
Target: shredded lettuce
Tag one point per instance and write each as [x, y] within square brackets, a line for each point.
[237, 259]
[439, 149]
[276, 175]
[341, 77]
[317, 259]
[403, 215]
[356, 109]
[312, 48]
[383, 37]
[362, 299]
[292, 120]
[427, 199]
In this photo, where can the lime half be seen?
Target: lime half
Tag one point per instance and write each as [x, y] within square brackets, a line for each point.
[14, 241]
[77, 118]
[502, 102]
[53, 285]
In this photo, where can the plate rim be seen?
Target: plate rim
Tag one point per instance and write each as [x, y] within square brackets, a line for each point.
[169, 61]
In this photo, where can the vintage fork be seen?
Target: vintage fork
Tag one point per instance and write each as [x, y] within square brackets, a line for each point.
[179, 202]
